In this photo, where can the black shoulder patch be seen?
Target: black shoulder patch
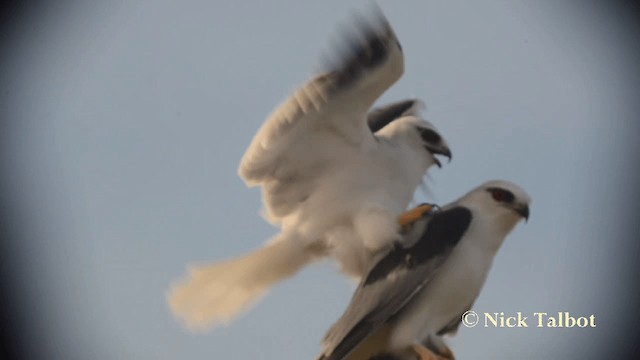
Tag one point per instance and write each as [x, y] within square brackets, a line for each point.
[387, 264]
[381, 117]
[443, 231]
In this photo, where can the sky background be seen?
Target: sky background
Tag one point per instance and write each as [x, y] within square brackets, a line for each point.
[127, 121]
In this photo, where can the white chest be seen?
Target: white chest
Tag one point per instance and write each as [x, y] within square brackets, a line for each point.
[450, 292]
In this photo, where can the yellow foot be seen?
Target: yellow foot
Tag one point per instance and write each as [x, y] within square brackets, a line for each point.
[447, 354]
[426, 354]
[410, 216]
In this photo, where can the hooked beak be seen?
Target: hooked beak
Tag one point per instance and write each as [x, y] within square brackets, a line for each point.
[523, 211]
[439, 150]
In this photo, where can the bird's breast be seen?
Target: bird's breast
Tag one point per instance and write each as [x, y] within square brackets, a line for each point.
[449, 293]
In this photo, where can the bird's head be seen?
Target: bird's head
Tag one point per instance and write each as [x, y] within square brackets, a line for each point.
[502, 202]
[432, 141]
[419, 134]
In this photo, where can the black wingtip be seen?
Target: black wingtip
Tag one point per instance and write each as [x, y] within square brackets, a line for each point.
[365, 44]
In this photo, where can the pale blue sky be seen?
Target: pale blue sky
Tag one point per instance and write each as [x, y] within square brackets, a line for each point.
[131, 118]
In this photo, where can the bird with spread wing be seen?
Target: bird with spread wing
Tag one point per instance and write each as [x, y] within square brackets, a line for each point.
[419, 290]
[335, 176]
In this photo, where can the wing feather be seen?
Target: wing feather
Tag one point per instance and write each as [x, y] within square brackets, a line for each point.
[338, 100]
[395, 280]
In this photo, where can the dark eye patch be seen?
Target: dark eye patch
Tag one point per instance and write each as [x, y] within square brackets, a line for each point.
[501, 195]
[430, 136]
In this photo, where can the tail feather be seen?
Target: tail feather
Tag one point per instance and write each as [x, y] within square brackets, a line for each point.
[214, 294]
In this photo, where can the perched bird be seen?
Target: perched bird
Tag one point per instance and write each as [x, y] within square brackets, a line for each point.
[419, 290]
[335, 175]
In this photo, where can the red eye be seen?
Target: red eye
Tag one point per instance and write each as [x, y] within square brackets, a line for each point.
[498, 196]
[501, 195]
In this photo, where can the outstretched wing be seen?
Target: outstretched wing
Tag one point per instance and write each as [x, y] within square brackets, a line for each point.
[328, 111]
[395, 280]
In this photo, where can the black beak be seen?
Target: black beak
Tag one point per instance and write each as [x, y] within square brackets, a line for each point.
[439, 150]
[523, 211]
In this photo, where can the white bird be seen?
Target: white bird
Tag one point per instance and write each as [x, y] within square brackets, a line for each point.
[334, 175]
[419, 290]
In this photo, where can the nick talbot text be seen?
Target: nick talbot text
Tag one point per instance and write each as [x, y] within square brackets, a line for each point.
[562, 319]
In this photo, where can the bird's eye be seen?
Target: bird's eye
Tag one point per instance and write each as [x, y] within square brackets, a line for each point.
[501, 195]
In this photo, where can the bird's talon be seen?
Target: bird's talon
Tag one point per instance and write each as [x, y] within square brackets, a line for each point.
[424, 353]
[446, 354]
[411, 216]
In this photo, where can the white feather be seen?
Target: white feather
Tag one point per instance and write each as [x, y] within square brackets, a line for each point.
[333, 188]
[214, 294]
[459, 280]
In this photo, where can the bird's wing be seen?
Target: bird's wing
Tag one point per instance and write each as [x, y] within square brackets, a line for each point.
[329, 110]
[452, 327]
[382, 116]
[395, 279]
